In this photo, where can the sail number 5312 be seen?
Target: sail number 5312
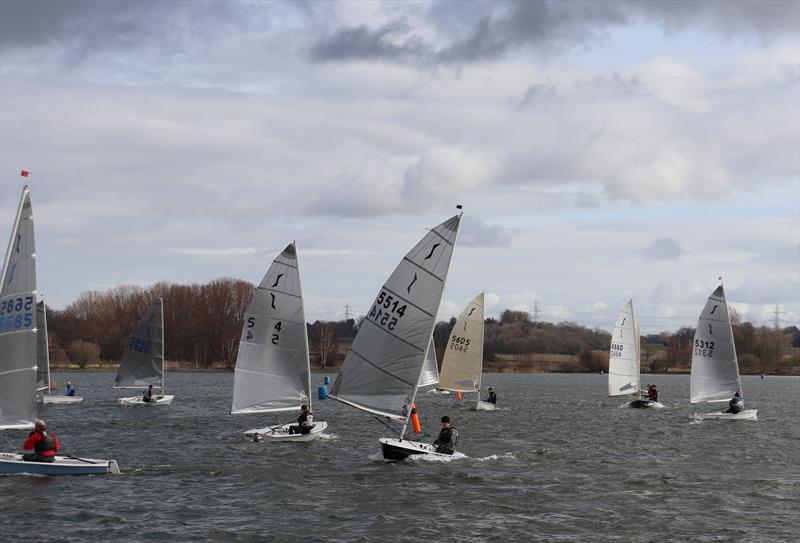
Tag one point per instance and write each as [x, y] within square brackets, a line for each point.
[387, 311]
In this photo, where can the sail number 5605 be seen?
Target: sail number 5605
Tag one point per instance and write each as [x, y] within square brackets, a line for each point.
[387, 310]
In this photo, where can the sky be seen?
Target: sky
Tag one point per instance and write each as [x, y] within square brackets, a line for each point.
[601, 150]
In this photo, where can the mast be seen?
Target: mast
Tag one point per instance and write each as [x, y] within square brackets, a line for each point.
[305, 328]
[163, 350]
[480, 375]
[14, 229]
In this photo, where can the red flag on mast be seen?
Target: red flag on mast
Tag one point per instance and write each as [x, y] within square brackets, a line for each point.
[24, 173]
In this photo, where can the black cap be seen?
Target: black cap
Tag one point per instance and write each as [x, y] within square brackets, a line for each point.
[445, 419]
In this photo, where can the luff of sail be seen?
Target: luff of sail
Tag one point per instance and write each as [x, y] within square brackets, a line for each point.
[42, 349]
[623, 357]
[463, 357]
[18, 322]
[143, 360]
[272, 368]
[382, 368]
[715, 369]
[430, 369]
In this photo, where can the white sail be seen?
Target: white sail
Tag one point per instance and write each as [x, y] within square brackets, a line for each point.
[430, 370]
[42, 349]
[715, 370]
[623, 358]
[18, 322]
[381, 371]
[272, 367]
[143, 359]
[463, 359]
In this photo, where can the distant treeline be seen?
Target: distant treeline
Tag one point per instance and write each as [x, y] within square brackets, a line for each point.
[203, 324]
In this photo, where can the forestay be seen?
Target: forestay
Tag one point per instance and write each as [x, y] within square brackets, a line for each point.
[18, 322]
[42, 349]
[463, 358]
[430, 370]
[143, 360]
[715, 370]
[623, 358]
[381, 371]
[272, 367]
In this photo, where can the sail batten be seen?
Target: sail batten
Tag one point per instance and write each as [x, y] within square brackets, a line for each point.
[18, 327]
[623, 356]
[462, 365]
[382, 370]
[272, 367]
[142, 361]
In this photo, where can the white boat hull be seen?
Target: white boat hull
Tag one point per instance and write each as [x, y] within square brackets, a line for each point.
[400, 449]
[62, 465]
[60, 399]
[137, 400]
[437, 391]
[747, 414]
[643, 404]
[485, 406]
[280, 432]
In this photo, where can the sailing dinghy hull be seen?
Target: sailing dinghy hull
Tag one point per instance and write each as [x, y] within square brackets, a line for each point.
[400, 449]
[440, 392]
[63, 465]
[280, 432]
[747, 414]
[60, 399]
[643, 404]
[484, 406]
[134, 401]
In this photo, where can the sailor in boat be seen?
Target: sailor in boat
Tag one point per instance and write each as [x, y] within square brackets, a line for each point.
[652, 393]
[492, 399]
[736, 405]
[305, 422]
[148, 394]
[43, 443]
[448, 436]
[70, 389]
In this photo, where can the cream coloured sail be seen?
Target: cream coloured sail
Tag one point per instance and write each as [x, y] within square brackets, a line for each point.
[18, 332]
[430, 370]
[715, 369]
[623, 357]
[463, 359]
[381, 371]
[272, 367]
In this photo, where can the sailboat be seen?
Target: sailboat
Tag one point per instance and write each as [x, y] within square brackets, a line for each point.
[142, 362]
[381, 372]
[273, 370]
[18, 352]
[715, 369]
[43, 385]
[430, 369]
[462, 365]
[623, 361]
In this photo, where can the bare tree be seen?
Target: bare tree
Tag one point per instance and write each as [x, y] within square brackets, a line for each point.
[327, 340]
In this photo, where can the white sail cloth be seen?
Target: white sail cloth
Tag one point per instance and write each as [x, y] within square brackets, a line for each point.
[381, 371]
[272, 367]
[623, 357]
[715, 369]
[42, 350]
[18, 333]
[143, 359]
[463, 359]
[430, 370]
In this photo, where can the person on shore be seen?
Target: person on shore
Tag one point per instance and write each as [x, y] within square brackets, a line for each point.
[148, 394]
[492, 399]
[652, 393]
[43, 443]
[70, 389]
[305, 422]
[448, 436]
[736, 405]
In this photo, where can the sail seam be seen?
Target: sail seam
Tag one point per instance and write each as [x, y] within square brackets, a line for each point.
[447, 241]
[390, 291]
[380, 368]
[396, 337]
[279, 292]
[421, 268]
[17, 370]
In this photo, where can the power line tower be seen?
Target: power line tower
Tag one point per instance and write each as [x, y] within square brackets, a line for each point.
[777, 317]
[535, 311]
[346, 311]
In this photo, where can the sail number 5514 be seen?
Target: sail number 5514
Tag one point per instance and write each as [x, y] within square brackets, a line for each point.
[387, 310]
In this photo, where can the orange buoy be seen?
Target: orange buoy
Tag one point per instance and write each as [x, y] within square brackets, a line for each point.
[458, 395]
[415, 419]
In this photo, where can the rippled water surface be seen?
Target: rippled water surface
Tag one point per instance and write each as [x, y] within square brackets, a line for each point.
[559, 462]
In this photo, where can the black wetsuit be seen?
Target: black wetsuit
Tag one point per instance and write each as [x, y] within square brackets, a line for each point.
[736, 405]
[492, 398]
[301, 427]
[446, 442]
[148, 395]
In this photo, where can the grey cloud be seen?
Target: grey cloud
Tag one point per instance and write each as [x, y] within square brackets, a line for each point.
[663, 249]
[478, 233]
[615, 84]
[535, 94]
[551, 26]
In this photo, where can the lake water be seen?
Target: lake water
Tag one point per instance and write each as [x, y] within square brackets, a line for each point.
[559, 462]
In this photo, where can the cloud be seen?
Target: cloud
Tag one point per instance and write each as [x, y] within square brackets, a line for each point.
[478, 233]
[663, 249]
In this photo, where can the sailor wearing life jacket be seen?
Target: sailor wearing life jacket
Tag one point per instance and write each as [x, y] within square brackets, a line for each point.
[43, 443]
[448, 435]
[736, 405]
[305, 422]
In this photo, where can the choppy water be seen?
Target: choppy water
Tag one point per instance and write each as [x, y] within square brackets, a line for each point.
[562, 463]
